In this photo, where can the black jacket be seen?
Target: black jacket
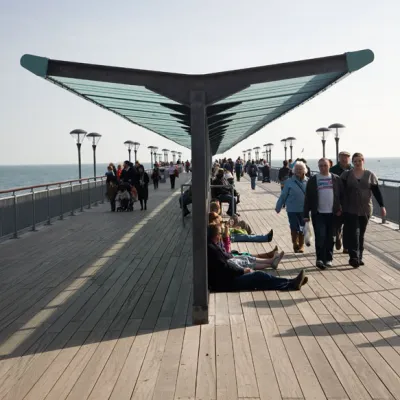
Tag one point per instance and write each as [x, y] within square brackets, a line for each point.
[220, 273]
[283, 173]
[311, 198]
[338, 170]
[215, 192]
[129, 175]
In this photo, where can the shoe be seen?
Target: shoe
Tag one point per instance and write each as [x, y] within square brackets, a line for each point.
[305, 281]
[298, 281]
[338, 242]
[186, 213]
[295, 241]
[354, 262]
[270, 235]
[301, 243]
[361, 262]
[328, 264]
[277, 259]
[320, 264]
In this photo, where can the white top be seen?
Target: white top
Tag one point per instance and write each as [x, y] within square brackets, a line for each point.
[325, 193]
[171, 170]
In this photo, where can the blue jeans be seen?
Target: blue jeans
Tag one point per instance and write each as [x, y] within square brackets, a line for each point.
[296, 221]
[324, 230]
[227, 198]
[253, 182]
[260, 280]
[240, 237]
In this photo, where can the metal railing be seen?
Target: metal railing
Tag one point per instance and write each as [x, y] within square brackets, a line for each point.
[390, 189]
[26, 207]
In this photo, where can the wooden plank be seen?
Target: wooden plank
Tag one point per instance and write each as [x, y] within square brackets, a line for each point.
[206, 368]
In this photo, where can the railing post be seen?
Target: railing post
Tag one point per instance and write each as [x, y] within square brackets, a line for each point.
[72, 199]
[48, 206]
[88, 185]
[15, 216]
[33, 210]
[61, 204]
[80, 184]
[95, 192]
[102, 191]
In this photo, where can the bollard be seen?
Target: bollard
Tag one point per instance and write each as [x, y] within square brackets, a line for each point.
[48, 206]
[15, 217]
[71, 199]
[95, 193]
[61, 204]
[33, 211]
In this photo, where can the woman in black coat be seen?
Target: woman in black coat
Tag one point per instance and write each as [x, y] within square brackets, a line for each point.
[142, 187]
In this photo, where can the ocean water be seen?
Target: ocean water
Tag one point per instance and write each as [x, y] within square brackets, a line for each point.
[28, 175]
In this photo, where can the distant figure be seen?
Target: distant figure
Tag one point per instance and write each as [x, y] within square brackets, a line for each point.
[253, 173]
[119, 171]
[283, 174]
[173, 174]
[142, 187]
[155, 176]
[238, 169]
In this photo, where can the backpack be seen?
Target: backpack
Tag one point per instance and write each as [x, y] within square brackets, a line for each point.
[253, 171]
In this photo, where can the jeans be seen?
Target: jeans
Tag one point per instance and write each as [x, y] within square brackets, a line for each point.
[354, 231]
[296, 221]
[227, 198]
[260, 280]
[239, 237]
[324, 227]
[172, 179]
[253, 182]
[155, 183]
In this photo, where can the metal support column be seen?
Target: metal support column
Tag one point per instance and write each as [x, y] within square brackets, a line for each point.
[200, 185]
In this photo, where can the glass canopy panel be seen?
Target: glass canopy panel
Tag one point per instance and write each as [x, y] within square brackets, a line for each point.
[262, 103]
[136, 103]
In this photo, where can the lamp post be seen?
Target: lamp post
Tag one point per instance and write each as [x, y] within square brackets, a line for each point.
[79, 135]
[173, 152]
[291, 140]
[268, 147]
[249, 154]
[159, 157]
[338, 130]
[155, 149]
[257, 152]
[244, 155]
[323, 132]
[129, 145]
[179, 156]
[136, 146]
[95, 137]
[151, 153]
[165, 151]
[283, 141]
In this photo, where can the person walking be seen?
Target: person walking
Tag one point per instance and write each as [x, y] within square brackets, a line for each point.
[293, 196]
[253, 173]
[359, 186]
[173, 172]
[155, 176]
[238, 169]
[338, 169]
[142, 187]
[324, 198]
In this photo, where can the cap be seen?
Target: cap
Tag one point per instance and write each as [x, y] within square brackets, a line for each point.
[344, 153]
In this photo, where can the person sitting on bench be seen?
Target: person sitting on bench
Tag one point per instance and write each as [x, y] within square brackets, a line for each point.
[224, 194]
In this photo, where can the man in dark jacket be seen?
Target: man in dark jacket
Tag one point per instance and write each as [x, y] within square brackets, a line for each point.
[224, 194]
[129, 174]
[338, 169]
[324, 199]
[225, 277]
[253, 173]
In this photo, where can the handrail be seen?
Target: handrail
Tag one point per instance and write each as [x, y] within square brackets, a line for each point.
[45, 185]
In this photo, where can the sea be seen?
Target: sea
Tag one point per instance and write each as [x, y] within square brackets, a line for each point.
[14, 176]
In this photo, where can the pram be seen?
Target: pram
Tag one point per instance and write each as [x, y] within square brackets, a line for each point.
[126, 197]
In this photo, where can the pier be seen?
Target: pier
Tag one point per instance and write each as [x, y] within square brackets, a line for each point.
[99, 306]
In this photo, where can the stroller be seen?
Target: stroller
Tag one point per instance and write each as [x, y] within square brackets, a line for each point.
[126, 197]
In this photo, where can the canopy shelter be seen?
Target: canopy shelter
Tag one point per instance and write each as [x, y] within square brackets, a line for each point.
[208, 113]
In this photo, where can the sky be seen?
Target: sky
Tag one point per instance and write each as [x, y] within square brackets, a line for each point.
[195, 36]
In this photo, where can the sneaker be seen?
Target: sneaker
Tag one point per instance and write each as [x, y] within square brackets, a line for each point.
[299, 280]
[320, 264]
[328, 264]
[338, 241]
[277, 259]
[354, 262]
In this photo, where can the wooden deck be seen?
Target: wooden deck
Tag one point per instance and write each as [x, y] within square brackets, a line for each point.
[98, 306]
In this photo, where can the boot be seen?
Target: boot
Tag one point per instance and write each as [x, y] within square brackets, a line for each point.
[295, 241]
[301, 242]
